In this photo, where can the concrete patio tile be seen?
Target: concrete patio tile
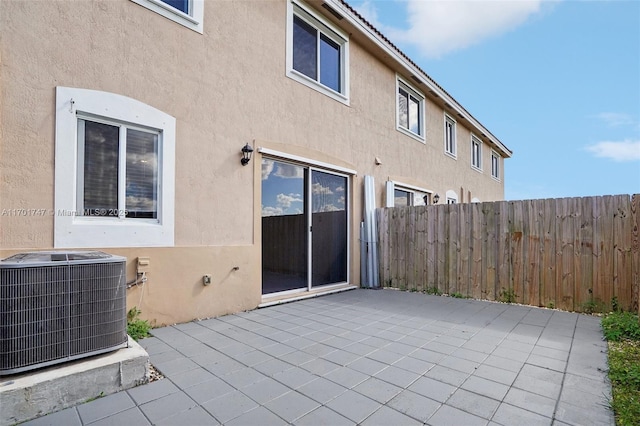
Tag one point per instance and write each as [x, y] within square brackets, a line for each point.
[210, 389]
[175, 367]
[221, 366]
[245, 377]
[496, 374]
[273, 366]
[473, 403]
[546, 362]
[414, 405]
[296, 358]
[353, 406]
[508, 415]
[450, 416]
[299, 342]
[346, 377]
[400, 348]
[166, 356]
[151, 391]
[504, 363]
[511, 354]
[229, 406]
[322, 390]
[319, 366]
[583, 399]
[367, 366]
[459, 364]
[470, 355]
[253, 357]
[294, 377]
[266, 390]
[516, 346]
[387, 416]
[397, 376]
[433, 389]
[277, 349]
[360, 348]
[447, 375]
[130, 417]
[67, 417]
[155, 346]
[427, 355]
[259, 417]
[586, 384]
[456, 342]
[437, 346]
[476, 344]
[105, 407]
[385, 356]
[414, 365]
[191, 377]
[341, 357]
[292, 406]
[486, 387]
[192, 416]
[530, 401]
[412, 340]
[195, 349]
[550, 353]
[377, 389]
[578, 416]
[167, 406]
[324, 416]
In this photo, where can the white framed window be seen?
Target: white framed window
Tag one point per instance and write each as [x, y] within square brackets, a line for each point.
[476, 153]
[449, 136]
[410, 110]
[451, 196]
[114, 174]
[317, 52]
[495, 165]
[189, 13]
[403, 195]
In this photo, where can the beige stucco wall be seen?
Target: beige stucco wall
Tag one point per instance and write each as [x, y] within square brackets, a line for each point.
[225, 87]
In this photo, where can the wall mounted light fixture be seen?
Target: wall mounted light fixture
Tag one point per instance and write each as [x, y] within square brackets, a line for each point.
[436, 198]
[246, 154]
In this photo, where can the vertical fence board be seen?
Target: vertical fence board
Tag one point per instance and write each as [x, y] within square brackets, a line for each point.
[431, 246]
[534, 237]
[502, 249]
[489, 249]
[635, 247]
[516, 246]
[585, 293]
[477, 276]
[623, 232]
[548, 235]
[441, 244]
[464, 255]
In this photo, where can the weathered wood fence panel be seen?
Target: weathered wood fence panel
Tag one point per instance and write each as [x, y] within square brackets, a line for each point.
[577, 254]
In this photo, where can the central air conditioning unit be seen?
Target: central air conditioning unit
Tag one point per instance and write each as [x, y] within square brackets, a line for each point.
[60, 306]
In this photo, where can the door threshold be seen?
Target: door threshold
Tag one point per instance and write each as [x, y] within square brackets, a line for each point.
[277, 300]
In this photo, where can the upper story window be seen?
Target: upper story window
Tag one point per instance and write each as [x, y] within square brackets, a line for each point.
[449, 136]
[495, 165]
[114, 174]
[410, 118]
[189, 13]
[476, 153]
[403, 195]
[317, 52]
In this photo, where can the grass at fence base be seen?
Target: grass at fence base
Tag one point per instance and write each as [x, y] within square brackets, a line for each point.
[622, 331]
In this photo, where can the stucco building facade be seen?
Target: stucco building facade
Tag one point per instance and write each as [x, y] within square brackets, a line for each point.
[122, 124]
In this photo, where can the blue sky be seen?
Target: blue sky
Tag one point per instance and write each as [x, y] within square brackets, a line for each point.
[558, 82]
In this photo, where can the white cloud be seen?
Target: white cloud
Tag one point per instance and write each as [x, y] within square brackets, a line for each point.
[627, 150]
[615, 119]
[271, 211]
[267, 168]
[288, 171]
[439, 27]
[327, 208]
[317, 188]
[340, 189]
[286, 200]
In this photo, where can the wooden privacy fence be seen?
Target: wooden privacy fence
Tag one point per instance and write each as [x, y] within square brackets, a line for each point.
[576, 254]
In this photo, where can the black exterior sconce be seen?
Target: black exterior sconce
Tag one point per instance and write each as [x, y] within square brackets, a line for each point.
[436, 198]
[246, 154]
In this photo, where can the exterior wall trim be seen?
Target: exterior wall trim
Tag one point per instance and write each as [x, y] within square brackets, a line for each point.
[321, 164]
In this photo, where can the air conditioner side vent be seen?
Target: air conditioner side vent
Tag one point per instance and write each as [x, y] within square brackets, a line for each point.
[54, 310]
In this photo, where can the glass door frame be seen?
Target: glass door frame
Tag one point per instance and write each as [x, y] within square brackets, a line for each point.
[311, 166]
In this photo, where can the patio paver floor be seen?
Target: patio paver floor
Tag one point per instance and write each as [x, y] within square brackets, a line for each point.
[369, 357]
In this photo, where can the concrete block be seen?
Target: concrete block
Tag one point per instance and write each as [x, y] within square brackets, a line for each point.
[36, 393]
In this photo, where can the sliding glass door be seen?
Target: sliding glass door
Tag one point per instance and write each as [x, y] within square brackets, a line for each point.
[304, 227]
